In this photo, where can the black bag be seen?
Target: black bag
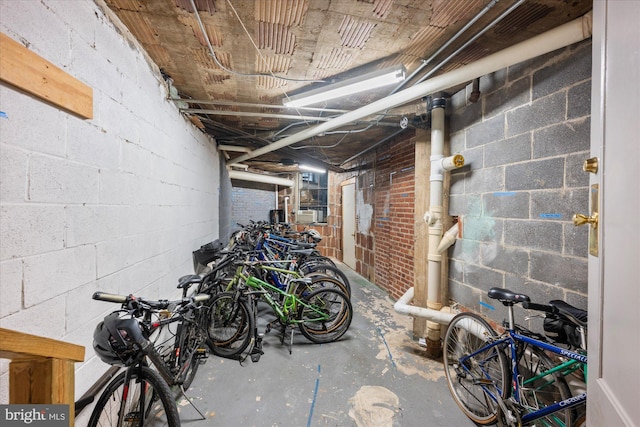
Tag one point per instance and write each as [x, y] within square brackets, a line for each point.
[206, 254]
[561, 331]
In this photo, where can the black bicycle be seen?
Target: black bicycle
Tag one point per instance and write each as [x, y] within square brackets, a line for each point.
[138, 337]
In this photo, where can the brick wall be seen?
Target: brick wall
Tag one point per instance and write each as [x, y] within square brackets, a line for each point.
[524, 143]
[385, 215]
[393, 232]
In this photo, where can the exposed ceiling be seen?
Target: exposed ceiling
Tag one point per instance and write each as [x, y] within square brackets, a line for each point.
[232, 62]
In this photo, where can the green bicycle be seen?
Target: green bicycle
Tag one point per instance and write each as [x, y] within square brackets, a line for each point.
[318, 306]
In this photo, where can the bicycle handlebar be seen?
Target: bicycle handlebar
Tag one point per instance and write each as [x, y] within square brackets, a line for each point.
[126, 300]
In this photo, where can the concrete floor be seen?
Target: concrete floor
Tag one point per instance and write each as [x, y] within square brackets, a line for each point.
[375, 376]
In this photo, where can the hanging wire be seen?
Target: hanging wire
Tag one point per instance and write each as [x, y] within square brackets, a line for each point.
[215, 58]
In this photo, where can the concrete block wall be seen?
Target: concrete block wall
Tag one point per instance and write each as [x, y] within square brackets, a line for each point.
[251, 203]
[524, 143]
[115, 203]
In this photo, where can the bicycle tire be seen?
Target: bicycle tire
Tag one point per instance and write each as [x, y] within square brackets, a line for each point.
[320, 281]
[328, 270]
[231, 325]
[316, 259]
[325, 315]
[466, 334]
[159, 407]
[538, 392]
[189, 353]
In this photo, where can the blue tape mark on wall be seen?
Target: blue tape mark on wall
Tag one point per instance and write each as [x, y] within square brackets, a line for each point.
[504, 193]
[484, 304]
[3, 115]
[550, 215]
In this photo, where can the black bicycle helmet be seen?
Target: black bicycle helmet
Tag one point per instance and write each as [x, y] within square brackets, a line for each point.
[116, 340]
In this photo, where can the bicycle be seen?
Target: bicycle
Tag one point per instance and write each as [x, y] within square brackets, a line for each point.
[322, 314]
[141, 395]
[509, 378]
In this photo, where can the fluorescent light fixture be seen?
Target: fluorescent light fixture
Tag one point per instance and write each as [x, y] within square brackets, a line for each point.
[312, 169]
[348, 87]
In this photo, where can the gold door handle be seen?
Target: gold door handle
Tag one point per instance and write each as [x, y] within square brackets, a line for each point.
[579, 219]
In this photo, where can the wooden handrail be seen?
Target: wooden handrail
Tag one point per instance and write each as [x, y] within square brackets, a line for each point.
[42, 369]
[15, 344]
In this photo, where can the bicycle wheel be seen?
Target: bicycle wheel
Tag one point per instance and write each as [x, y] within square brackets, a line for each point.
[145, 400]
[312, 260]
[473, 380]
[325, 315]
[330, 271]
[320, 281]
[231, 325]
[190, 353]
[539, 388]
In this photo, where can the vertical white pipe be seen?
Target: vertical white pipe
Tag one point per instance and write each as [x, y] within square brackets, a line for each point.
[434, 258]
[286, 209]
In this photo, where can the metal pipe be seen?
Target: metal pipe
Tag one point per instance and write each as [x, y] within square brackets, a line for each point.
[444, 46]
[564, 35]
[472, 39]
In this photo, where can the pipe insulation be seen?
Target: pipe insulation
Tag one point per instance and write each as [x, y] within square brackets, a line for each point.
[567, 34]
[256, 177]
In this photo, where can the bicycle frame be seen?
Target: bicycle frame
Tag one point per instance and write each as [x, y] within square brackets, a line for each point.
[511, 339]
[290, 302]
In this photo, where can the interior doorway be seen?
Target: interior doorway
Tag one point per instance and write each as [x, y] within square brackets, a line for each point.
[349, 224]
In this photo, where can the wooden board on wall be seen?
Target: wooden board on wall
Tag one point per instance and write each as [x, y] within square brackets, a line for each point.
[33, 74]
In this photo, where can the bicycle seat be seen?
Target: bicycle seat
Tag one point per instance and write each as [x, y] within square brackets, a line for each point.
[507, 297]
[188, 280]
[570, 313]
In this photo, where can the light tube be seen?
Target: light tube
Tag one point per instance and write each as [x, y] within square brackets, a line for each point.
[348, 87]
[312, 169]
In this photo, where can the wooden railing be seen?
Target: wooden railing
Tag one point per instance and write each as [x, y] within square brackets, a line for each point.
[42, 369]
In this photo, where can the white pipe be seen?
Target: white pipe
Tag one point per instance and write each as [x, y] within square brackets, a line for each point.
[559, 37]
[433, 217]
[435, 206]
[256, 177]
[449, 238]
[286, 209]
[402, 306]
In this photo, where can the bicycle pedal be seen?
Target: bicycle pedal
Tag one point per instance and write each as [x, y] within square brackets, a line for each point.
[202, 354]
[132, 417]
[255, 354]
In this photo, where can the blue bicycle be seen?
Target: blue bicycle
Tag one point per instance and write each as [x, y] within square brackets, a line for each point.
[510, 378]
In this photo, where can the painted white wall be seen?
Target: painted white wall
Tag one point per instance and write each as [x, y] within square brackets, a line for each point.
[116, 203]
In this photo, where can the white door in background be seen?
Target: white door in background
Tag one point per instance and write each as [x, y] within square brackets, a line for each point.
[613, 386]
[349, 224]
